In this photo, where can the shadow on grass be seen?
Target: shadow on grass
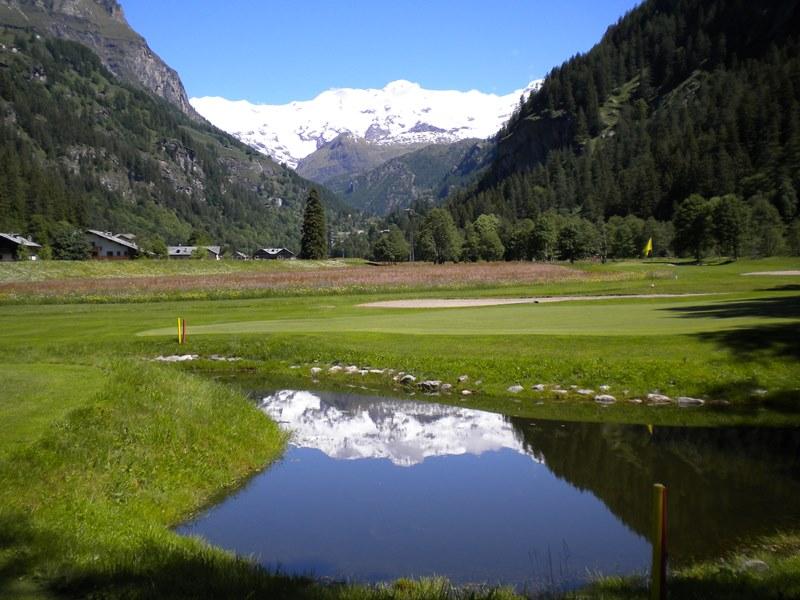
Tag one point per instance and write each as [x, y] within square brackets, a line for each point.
[17, 556]
[720, 586]
[780, 586]
[153, 571]
[780, 340]
[763, 340]
[789, 287]
[187, 571]
[785, 307]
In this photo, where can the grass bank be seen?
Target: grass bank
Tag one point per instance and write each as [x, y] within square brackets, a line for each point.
[766, 570]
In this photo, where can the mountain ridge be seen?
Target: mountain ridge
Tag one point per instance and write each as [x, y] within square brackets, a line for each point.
[401, 113]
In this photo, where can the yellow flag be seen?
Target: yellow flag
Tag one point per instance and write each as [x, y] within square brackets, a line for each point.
[648, 249]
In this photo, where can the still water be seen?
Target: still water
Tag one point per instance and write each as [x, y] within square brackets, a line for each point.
[372, 489]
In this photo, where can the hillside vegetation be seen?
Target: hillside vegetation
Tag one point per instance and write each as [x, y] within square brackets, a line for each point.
[425, 174]
[79, 146]
[679, 97]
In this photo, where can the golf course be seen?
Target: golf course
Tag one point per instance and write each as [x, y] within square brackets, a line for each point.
[113, 432]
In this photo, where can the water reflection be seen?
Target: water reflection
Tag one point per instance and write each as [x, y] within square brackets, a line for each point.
[373, 489]
[406, 433]
[726, 485]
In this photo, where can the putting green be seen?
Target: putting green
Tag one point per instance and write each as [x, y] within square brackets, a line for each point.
[599, 317]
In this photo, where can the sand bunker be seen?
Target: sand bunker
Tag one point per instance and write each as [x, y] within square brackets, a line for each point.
[472, 302]
[778, 273]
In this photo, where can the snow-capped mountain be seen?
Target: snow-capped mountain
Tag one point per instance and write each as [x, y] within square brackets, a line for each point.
[405, 433]
[400, 113]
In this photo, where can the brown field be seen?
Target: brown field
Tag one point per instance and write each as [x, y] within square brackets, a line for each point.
[366, 277]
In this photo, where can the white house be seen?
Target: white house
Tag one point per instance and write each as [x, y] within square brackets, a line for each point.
[10, 243]
[273, 254]
[212, 252]
[110, 246]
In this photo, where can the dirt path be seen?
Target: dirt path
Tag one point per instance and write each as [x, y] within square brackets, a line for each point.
[777, 273]
[472, 302]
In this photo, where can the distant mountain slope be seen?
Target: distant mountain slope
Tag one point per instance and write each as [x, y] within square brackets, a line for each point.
[78, 145]
[679, 97]
[402, 113]
[428, 173]
[347, 156]
[101, 25]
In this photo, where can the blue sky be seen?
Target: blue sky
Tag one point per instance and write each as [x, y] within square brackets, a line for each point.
[275, 51]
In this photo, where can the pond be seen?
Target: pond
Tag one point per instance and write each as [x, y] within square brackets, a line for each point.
[373, 489]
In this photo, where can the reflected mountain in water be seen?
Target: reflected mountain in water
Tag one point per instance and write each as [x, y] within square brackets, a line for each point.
[406, 433]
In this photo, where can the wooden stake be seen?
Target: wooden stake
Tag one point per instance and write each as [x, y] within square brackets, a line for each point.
[658, 570]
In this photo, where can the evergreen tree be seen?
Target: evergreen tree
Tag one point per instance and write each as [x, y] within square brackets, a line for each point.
[313, 242]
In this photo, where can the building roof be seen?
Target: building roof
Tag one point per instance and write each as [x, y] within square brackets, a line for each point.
[19, 240]
[117, 239]
[275, 250]
[187, 250]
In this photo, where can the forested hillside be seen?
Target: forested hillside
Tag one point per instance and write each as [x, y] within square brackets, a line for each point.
[682, 125]
[680, 97]
[428, 173]
[80, 148]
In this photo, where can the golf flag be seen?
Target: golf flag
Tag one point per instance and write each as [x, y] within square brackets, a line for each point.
[648, 249]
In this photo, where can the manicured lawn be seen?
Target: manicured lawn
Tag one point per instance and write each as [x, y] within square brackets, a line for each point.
[656, 317]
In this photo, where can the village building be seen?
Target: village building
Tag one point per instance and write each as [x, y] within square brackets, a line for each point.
[240, 255]
[273, 254]
[10, 244]
[111, 246]
[212, 252]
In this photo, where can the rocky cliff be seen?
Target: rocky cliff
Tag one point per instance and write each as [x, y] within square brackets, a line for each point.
[101, 25]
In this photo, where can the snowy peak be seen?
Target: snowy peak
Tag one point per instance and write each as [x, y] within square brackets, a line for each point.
[402, 113]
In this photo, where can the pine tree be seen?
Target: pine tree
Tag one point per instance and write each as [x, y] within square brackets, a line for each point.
[313, 243]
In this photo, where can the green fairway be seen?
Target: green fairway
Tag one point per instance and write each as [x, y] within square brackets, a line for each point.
[609, 317]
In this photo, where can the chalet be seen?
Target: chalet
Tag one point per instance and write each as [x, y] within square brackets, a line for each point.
[273, 254]
[111, 246]
[212, 252]
[240, 255]
[10, 244]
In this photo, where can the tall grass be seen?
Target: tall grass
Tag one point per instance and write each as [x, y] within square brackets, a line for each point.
[191, 284]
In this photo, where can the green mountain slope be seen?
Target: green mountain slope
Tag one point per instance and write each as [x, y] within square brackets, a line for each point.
[679, 97]
[78, 145]
[347, 156]
[428, 173]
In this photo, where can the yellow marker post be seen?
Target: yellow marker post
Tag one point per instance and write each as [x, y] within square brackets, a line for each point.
[658, 570]
[180, 336]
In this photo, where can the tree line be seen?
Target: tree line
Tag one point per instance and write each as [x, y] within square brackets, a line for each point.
[721, 226]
